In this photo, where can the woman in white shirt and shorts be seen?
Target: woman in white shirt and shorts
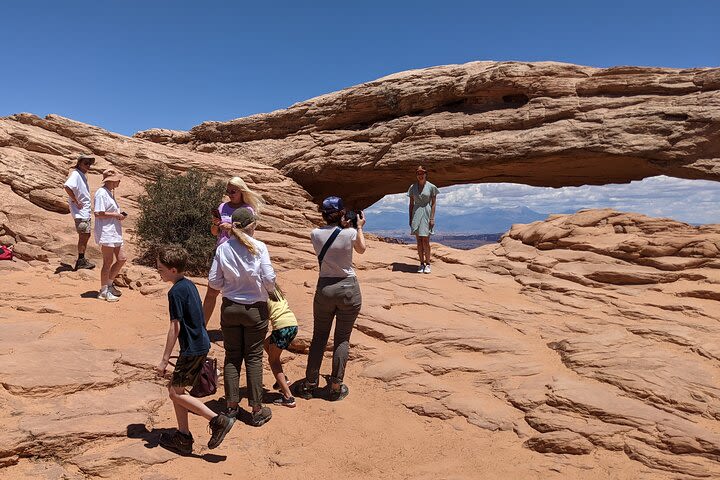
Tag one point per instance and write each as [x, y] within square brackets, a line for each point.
[108, 234]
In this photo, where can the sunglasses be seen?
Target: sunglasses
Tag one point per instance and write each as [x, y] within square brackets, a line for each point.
[231, 192]
[421, 174]
[88, 162]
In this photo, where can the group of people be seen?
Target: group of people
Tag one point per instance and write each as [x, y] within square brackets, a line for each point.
[252, 301]
[108, 223]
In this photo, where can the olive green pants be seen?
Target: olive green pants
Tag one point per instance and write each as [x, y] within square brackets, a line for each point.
[244, 328]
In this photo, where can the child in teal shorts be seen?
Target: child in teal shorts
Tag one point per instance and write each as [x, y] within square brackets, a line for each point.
[284, 329]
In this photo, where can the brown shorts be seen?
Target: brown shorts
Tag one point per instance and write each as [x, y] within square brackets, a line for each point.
[83, 225]
[187, 370]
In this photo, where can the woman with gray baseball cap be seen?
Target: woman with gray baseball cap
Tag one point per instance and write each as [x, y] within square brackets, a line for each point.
[242, 272]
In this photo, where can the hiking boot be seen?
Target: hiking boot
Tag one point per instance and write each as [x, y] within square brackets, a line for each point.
[261, 417]
[84, 263]
[427, 268]
[177, 442]
[114, 290]
[421, 268]
[232, 412]
[276, 385]
[219, 427]
[304, 390]
[337, 395]
[106, 295]
[285, 401]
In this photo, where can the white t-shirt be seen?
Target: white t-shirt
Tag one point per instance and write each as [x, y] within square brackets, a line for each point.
[241, 276]
[338, 258]
[77, 182]
[107, 230]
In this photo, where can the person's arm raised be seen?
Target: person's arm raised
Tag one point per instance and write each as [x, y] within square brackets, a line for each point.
[359, 243]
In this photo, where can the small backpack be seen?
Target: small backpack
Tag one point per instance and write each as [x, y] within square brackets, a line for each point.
[6, 253]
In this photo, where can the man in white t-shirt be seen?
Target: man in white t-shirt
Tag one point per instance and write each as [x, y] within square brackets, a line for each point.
[78, 192]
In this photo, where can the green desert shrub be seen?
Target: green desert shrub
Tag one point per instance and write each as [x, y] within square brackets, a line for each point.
[175, 210]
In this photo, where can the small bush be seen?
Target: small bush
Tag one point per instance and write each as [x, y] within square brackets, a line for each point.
[175, 209]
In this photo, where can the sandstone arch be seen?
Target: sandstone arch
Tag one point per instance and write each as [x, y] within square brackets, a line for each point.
[543, 124]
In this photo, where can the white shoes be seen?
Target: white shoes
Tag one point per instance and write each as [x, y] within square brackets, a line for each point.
[108, 296]
[424, 268]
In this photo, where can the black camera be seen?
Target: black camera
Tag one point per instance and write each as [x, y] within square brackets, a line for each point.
[351, 217]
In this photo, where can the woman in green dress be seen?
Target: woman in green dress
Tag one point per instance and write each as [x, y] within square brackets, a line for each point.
[422, 216]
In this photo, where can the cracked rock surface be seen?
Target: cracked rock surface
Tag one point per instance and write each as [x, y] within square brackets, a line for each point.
[516, 350]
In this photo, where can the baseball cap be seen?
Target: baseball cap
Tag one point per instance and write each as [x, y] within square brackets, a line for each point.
[332, 205]
[243, 216]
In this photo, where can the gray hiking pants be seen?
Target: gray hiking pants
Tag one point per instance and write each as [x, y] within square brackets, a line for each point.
[337, 298]
[244, 328]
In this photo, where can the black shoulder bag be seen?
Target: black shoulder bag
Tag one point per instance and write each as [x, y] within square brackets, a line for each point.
[329, 242]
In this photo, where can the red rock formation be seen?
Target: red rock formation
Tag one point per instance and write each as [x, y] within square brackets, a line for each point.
[593, 335]
[36, 155]
[545, 124]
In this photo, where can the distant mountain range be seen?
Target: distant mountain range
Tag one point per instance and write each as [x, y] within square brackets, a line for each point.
[485, 220]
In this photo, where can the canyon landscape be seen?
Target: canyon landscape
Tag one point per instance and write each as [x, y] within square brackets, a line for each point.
[582, 346]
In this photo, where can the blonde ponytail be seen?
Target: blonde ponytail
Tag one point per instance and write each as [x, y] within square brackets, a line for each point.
[244, 239]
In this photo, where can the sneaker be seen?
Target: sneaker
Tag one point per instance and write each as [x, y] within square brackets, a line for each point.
[84, 263]
[114, 290]
[219, 427]
[261, 417]
[427, 268]
[177, 442]
[421, 269]
[337, 395]
[276, 385]
[304, 390]
[106, 295]
[285, 402]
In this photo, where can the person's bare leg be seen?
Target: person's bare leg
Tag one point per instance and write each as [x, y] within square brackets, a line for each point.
[209, 303]
[182, 401]
[181, 413]
[108, 254]
[420, 248]
[276, 366]
[119, 253]
[426, 249]
[83, 239]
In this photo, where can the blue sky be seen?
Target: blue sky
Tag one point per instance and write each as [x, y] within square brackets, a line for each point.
[131, 65]
[128, 65]
[692, 201]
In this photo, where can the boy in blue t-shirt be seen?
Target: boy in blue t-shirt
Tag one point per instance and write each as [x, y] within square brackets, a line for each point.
[187, 324]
